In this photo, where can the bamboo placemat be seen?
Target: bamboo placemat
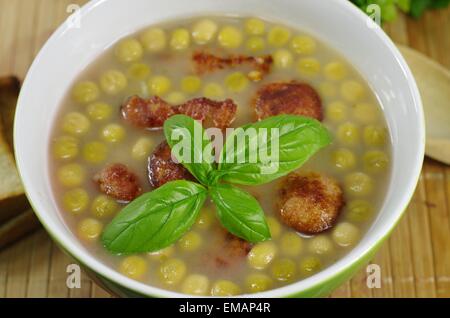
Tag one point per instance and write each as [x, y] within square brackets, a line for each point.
[415, 261]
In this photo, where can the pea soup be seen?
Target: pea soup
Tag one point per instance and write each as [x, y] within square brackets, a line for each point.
[238, 70]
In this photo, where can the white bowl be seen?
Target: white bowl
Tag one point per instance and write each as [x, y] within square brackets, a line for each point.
[338, 23]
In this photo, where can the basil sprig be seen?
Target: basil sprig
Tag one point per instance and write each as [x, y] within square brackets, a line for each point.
[240, 213]
[298, 138]
[159, 218]
[156, 219]
[199, 159]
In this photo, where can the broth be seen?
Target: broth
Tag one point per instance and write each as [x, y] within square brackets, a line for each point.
[358, 158]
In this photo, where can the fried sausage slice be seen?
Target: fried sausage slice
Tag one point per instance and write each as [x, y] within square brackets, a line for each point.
[151, 113]
[147, 113]
[212, 113]
[287, 98]
[206, 62]
[227, 250]
[118, 182]
[310, 203]
[162, 169]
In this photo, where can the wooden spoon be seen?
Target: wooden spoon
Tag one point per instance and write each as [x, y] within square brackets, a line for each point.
[434, 86]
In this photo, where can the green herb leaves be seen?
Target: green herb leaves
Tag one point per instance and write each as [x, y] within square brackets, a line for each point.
[388, 8]
[190, 145]
[254, 154]
[240, 213]
[270, 149]
[156, 219]
[418, 7]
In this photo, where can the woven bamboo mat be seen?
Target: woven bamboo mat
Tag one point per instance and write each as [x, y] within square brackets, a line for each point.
[415, 261]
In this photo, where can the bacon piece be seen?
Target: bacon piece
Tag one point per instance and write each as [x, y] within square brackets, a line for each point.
[162, 169]
[118, 182]
[287, 98]
[151, 113]
[207, 62]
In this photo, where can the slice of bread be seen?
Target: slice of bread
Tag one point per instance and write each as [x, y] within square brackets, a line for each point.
[12, 197]
[17, 227]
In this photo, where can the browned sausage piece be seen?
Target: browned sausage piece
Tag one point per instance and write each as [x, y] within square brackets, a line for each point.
[233, 249]
[162, 169]
[287, 98]
[211, 113]
[310, 203]
[146, 113]
[206, 62]
[227, 250]
[151, 113]
[118, 182]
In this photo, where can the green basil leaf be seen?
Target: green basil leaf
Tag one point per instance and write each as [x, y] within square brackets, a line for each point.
[418, 7]
[240, 213]
[190, 146]
[439, 4]
[156, 219]
[246, 162]
[359, 3]
[404, 5]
